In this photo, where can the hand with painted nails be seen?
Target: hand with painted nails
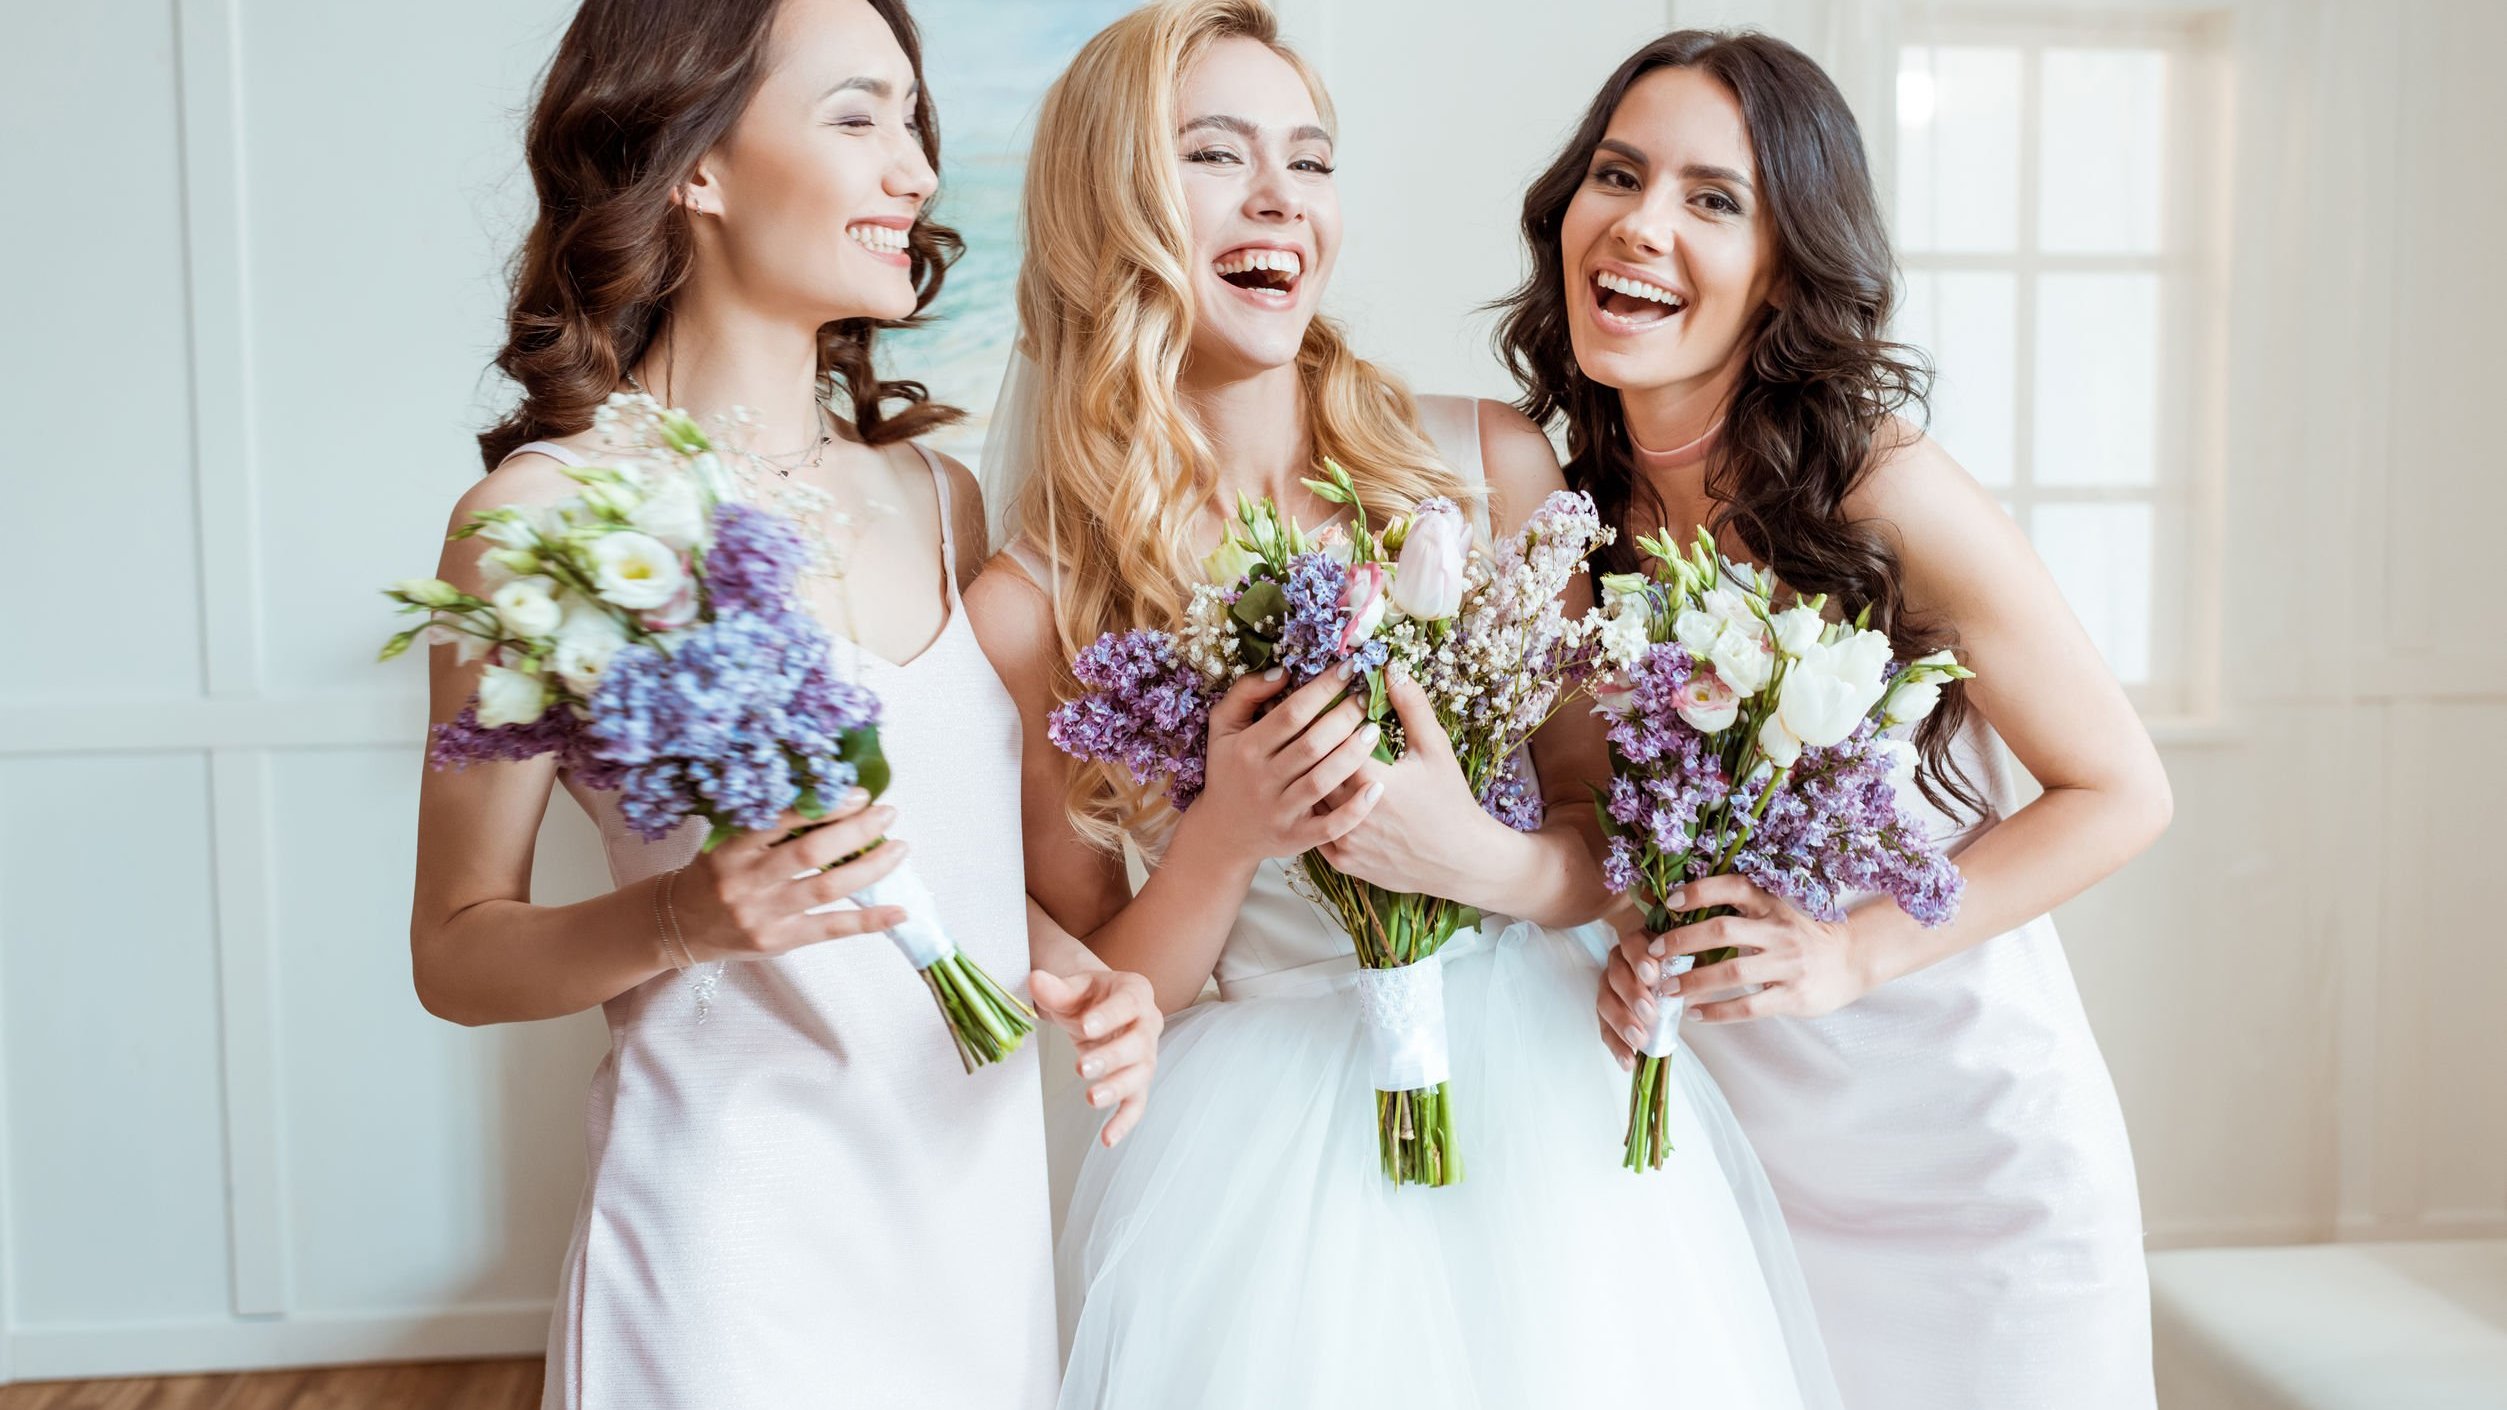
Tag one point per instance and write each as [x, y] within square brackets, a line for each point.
[1418, 836]
[1803, 967]
[757, 894]
[1271, 779]
[1113, 1019]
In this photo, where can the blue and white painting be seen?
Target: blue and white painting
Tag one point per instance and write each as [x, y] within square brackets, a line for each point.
[988, 65]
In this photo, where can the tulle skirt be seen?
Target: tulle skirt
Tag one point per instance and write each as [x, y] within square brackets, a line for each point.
[1243, 1248]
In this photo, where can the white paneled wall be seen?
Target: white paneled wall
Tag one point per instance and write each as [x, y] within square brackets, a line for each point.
[247, 308]
[246, 332]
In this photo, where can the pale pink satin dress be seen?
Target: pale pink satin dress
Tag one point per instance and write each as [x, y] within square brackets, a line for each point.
[804, 1201]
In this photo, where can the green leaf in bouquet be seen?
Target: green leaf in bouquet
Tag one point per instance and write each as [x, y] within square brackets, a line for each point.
[1262, 602]
[869, 761]
[1601, 810]
[1379, 699]
[719, 834]
[1256, 652]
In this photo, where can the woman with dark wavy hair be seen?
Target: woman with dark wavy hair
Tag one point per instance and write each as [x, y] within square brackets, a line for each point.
[1710, 281]
[795, 1193]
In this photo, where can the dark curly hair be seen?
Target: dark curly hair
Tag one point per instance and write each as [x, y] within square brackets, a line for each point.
[639, 92]
[1813, 406]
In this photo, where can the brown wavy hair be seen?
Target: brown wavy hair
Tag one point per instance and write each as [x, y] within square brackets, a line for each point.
[1815, 405]
[638, 93]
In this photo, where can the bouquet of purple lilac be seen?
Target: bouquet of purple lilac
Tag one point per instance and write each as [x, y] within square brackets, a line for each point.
[1753, 740]
[647, 631]
[1483, 633]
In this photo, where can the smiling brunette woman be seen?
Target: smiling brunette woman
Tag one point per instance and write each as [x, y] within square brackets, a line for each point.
[803, 1198]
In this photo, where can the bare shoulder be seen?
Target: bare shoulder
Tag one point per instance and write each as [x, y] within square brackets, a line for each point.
[522, 482]
[1517, 460]
[1955, 543]
[527, 479]
[1919, 494]
[1013, 621]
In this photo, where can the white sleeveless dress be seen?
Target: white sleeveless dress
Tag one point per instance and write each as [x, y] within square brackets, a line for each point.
[1242, 1250]
[805, 1201]
[1953, 1165]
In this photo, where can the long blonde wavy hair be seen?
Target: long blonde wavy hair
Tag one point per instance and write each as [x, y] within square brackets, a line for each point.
[1122, 473]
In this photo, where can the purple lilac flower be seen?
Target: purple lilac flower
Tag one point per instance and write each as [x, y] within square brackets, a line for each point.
[756, 558]
[1836, 829]
[1144, 708]
[1310, 636]
[464, 741]
[1652, 727]
[733, 724]
[1510, 798]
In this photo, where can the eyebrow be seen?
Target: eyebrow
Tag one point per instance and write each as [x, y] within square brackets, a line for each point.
[1694, 171]
[863, 83]
[1247, 130]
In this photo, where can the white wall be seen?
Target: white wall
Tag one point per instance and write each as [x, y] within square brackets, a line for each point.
[248, 306]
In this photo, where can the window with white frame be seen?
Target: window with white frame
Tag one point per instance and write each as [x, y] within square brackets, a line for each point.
[2058, 219]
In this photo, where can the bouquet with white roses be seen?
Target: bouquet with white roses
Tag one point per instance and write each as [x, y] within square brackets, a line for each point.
[1747, 738]
[1484, 635]
[647, 631]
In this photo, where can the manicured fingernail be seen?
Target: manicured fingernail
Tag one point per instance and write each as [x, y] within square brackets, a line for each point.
[856, 797]
[1633, 1036]
[1099, 1096]
[1374, 791]
[1677, 900]
[1654, 947]
[1275, 673]
[1343, 669]
[1092, 1069]
[1645, 1009]
[1627, 1064]
[1671, 986]
[1648, 972]
[1369, 735]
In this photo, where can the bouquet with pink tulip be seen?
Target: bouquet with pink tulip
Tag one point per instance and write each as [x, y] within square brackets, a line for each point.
[1482, 632]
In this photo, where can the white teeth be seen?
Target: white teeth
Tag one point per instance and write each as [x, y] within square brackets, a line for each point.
[1285, 261]
[1639, 289]
[886, 239]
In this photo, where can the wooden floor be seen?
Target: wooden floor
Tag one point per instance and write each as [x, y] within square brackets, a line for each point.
[443, 1385]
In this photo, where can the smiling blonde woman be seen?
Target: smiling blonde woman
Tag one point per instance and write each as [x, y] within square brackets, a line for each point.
[1244, 1249]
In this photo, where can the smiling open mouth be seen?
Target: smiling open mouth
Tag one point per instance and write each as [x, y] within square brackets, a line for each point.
[1634, 300]
[1273, 272]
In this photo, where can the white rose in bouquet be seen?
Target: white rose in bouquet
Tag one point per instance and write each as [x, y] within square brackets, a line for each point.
[1830, 690]
[674, 513]
[511, 697]
[528, 606]
[586, 641]
[1798, 629]
[635, 570]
